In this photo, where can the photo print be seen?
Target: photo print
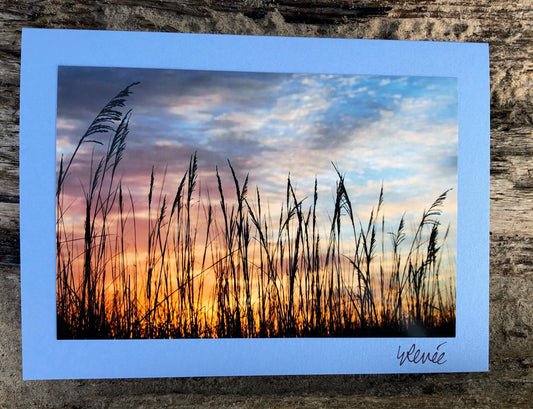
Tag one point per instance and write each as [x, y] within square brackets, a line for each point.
[198, 204]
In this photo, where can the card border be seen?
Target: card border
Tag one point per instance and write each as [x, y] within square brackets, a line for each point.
[45, 357]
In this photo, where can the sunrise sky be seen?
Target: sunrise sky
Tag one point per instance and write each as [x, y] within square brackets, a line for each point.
[397, 131]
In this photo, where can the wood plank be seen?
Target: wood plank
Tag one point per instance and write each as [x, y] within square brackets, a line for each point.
[509, 30]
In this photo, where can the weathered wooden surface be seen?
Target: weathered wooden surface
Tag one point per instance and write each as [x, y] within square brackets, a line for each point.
[508, 27]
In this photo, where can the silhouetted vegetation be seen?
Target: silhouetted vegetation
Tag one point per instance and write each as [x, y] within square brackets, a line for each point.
[228, 269]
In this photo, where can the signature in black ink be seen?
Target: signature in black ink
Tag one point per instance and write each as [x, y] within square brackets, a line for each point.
[416, 355]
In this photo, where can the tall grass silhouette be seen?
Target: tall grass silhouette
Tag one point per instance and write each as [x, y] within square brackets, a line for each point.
[225, 268]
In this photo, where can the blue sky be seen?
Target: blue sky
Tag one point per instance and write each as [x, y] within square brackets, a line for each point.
[397, 131]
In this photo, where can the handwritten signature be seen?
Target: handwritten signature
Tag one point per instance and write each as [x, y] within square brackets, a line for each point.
[416, 355]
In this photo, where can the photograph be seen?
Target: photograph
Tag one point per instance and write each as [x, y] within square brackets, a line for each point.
[234, 204]
[224, 205]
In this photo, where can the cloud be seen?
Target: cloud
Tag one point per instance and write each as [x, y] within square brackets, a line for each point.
[399, 132]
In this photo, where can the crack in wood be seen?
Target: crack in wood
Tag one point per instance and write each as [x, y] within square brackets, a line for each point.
[9, 199]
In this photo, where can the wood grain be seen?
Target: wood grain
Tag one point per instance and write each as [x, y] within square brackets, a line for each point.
[507, 27]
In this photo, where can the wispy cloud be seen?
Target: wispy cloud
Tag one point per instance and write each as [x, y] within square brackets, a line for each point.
[397, 131]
